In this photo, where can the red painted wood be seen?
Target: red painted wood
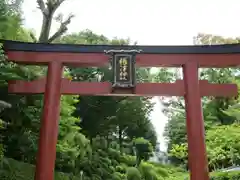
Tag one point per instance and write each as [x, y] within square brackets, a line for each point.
[146, 60]
[105, 88]
[177, 60]
[218, 90]
[86, 88]
[67, 87]
[197, 157]
[49, 124]
[27, 87]
[72, 59]
[160, 89]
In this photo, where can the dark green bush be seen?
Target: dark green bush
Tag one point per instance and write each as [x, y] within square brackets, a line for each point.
[1, 151]
[234, 175]
[114, 154]
[14, 170]
[128, 160]
[133, 174]
[118, 176]
[121, 169]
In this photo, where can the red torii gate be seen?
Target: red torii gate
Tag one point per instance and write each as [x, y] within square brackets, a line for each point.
[190, 58]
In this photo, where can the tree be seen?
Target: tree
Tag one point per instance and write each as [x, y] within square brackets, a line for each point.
[12, 130]
[48, 10]
[222, 147]
[215, 109]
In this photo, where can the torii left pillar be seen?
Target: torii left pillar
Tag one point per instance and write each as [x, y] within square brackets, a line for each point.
[197, 156]
[49, 124]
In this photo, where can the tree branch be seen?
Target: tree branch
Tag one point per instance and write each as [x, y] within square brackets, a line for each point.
[34, 39]
[59, 2]
[62, 29]
[54, 4]
[5, 104]
[42, 7]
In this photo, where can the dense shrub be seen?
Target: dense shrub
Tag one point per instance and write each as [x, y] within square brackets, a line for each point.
[1, 151]
[99, 168]
[14, 170]
[118, 176]
[148, 171]
[133, 174]
[234, 175]
[128, 160]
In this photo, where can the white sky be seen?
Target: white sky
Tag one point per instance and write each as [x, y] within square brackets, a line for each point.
[149, 22]
[158, 22]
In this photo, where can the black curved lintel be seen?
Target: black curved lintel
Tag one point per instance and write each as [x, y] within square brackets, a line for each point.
[80, 48]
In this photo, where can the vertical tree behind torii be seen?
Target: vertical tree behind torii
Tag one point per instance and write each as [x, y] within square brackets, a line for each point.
[48, 9]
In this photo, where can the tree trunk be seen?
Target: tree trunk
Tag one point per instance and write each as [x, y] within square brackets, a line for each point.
[46, 27]
[120, 139]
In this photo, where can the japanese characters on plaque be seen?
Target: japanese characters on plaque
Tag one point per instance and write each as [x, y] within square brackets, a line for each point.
[123, 68]
[122, 63]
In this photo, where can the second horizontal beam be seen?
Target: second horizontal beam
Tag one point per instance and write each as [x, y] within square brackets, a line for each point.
[105, 88]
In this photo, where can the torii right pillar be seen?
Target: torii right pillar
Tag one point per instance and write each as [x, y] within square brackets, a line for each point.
[197, 156]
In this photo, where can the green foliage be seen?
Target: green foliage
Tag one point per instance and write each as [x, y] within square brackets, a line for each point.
[223, 146]
[143, 149]
[234, 175]
[1, 152]
[13, 170]
[221, 118]
[133, 174]
[179, 151]
[149, 171]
